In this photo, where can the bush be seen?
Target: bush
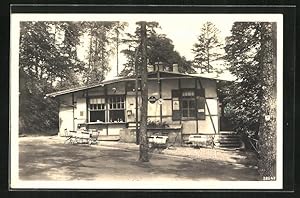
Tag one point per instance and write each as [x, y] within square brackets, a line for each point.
[153, 124]
[36, 113]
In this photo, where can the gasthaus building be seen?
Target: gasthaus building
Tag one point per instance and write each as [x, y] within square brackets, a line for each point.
[186, 104]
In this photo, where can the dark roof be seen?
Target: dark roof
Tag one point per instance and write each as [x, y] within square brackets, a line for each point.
[90, 86]
[163, 74]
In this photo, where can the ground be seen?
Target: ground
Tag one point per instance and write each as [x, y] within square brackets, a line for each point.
[48, 158]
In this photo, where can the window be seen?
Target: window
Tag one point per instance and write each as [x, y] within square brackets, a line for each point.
[97, 110]
[114, 110]
[188, 103]
[116, 105]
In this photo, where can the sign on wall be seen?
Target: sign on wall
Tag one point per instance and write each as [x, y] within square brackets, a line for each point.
[176, 113]
[152, 99]
[175, 104]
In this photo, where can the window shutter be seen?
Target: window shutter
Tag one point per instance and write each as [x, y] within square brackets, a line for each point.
[200, 97]
[176, 112]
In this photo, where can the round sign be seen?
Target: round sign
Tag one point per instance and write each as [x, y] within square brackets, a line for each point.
[152, 99]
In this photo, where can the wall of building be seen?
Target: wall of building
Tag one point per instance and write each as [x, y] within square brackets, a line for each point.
[65, 119]
[116, 88]
[65, 114]
[81, 115]
[188, 126]
[96, 91]
[174, 135]
[80, 111]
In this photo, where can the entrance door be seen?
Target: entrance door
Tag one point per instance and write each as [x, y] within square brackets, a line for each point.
[65, 120]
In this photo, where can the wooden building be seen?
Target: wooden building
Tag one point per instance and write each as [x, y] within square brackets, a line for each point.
[186, 103]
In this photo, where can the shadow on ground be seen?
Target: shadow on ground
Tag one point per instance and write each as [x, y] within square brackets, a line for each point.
[42, 161]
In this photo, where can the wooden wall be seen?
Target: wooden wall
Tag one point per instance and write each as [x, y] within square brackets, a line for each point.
[154, 110]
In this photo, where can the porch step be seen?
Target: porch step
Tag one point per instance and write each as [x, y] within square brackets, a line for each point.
[236, 141]
[228, 133]
[227, 144]
[224, 140]
[226, 137]
[227, 140]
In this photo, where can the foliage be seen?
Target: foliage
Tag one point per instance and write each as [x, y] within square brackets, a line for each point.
[159, 49]
[251, 54]
[207, 49]
[36, 113]
[133, 53]
[48, 61]
[101, 35]
[67, 58]
[153, 124]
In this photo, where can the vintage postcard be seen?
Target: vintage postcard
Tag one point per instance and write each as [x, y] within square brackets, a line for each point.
[146, 101]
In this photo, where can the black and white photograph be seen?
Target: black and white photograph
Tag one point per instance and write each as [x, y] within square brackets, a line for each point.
[146, 101]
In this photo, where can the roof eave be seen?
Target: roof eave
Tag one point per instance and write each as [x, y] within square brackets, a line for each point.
[103, 83]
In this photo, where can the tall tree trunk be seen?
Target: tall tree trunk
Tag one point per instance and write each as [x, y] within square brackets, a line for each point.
[96, 54]
[208, 68]
[267, 128]
[90, 55]
[117, 52]
[144, 92]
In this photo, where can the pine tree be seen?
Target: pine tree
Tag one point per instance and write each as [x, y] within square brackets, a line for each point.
[159, 49]
[133, 53]
[36, 48]
[118, 29]
[102, 34]
[267, 126]
[98, 52]
[251, 53]
[144, 157]
[66, 62]
[47, 56]
[207, 49]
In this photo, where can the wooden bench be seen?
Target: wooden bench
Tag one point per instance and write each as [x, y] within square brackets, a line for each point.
[158, 141]
[202, 140]
[82, 137]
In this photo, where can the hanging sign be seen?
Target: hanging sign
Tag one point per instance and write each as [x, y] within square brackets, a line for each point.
[152, 99]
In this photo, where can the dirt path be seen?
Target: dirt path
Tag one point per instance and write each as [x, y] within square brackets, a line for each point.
[47, 158]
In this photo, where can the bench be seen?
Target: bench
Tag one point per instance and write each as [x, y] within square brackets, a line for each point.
[158, 141]
[201, 140]
[82, 137]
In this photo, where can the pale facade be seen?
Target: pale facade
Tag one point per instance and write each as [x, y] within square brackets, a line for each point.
[187, 101]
